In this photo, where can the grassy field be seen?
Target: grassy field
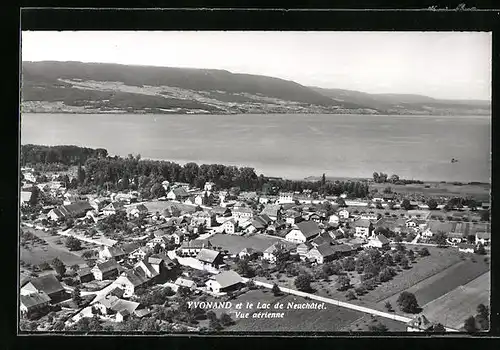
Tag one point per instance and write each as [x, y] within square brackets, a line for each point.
[425, 267]
[480, 192]
[37, 254]
[445, 281]
[454, 307]
[362, 324]
[332, 318]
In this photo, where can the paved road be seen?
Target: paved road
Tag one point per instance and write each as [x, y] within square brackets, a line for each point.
[341, 303]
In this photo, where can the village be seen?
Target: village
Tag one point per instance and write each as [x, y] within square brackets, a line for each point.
[118, 262]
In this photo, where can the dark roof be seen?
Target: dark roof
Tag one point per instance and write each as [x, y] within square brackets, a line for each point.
[34, 299]
[308, 228]
[130, 247]
[136, 276]
[48, 284]
[74, 209]
[180, 192]
[107, 266]
[342, 248]
[116, 251]
[258, 224]
[325, 250]
[84, 272]
[383, 239]
[117, 292]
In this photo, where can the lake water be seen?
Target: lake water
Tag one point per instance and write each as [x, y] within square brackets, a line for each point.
[292, 146]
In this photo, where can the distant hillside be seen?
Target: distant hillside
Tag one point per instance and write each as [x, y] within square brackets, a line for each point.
[408, 104]
[76, 87]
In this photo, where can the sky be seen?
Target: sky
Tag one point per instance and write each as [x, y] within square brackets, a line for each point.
[448, 65]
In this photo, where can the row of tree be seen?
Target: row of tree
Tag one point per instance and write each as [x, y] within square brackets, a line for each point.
[116, 173]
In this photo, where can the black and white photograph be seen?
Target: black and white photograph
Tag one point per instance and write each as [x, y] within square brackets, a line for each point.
[219, 182]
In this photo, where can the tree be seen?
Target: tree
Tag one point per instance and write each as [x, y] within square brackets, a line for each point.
[76, 296]
[244, 269]
[341, 202]
[388, 306]
[150, 325]
[303, 282]
[211, 315]
[424, 252]
[483, 317]
[440, 239]
[276, 290]
[408, 302]
[485, 216]
[349, 264]
[58, 326]
[226, 320]
[405, 204]
[35, 196]
[58, 267]
[73, 244]
[385, 275]
[432, 204]
[438, 327]
[343, 282]
[480, 249]
[404, 263]
[388, 189]
[350, 295]
[88, 254]
[470, 325]
[377, 327]
[214, 325]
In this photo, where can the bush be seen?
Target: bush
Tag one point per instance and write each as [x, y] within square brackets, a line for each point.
[350, 295]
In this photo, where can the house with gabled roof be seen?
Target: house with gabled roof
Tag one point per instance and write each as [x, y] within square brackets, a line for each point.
[321, 253]
[113, 208]
[116, 253]
[105, 271]
[47, 284]
[419, 324]
[131, 280]
[85, 275]
[292, 217]
[229, 226]
[137, 210]
[208, 257]
[247, 253]
[270, 253]
[75, 210]
[273, 211]
[224, 282]
[178, 194]
[194, 247]
[31, 304]
[379, 241]
[364, 228]
[184, 282]
[305, 231]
